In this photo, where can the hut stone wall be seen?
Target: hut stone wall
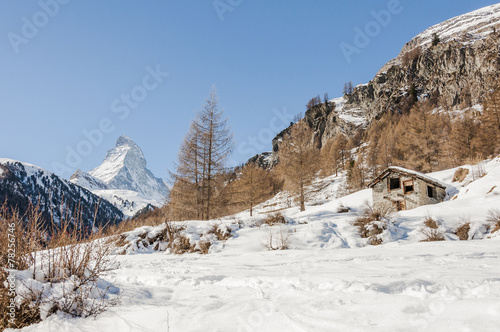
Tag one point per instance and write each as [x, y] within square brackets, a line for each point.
[411, 192]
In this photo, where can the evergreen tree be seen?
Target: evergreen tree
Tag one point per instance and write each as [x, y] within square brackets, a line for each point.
[435, 39]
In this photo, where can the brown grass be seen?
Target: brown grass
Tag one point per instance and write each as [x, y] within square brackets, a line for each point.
[491, 190]
[431, 223]
[494, 220]
[432, 234]
[371, 223]
[463, 231]
[275, 218]
[69, 257]
[460, 174]
[221, 232]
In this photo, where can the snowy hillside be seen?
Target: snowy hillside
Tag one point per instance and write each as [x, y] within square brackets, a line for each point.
[464, 28]
[124, 179]
[329, 279]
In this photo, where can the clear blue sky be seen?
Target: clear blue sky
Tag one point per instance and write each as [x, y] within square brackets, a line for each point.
[71, 72]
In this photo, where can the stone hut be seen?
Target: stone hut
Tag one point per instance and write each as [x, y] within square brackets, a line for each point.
[404, 189]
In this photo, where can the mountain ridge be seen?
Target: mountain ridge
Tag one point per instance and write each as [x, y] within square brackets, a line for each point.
[23, 184]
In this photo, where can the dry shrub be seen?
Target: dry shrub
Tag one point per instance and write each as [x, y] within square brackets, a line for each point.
[275, 218]
[463, 231]
[372, 222]
[69, 261]
[203, 247]
[494, 220]
[431, 223]
[181, 245]
[342, 208]
[25, 238]
[277, 238]
[221, 232]
[460, 174]
[432, 234]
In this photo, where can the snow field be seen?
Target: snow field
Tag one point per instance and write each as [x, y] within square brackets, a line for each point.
[329, 279]
[445, 286]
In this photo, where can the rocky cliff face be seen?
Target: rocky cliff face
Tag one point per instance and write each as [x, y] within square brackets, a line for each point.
[454, 73]
[457, 71]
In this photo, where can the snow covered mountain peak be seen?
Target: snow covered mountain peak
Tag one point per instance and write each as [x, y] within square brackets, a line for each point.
[124, 169]
[125, 154]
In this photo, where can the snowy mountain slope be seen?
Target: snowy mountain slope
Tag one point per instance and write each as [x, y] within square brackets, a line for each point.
[87, 181]
[329, 279]
[322, 225]
[464, 28]
[124, 179]
[128, 201]
[23, 184]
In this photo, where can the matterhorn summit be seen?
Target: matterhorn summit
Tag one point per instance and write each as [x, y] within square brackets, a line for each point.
[124, 179]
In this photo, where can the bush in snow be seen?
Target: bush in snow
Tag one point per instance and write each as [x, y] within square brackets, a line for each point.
[275, 218]
[463, 231]
[494, 220]
[174, 237]
[431, 222]
[221, 232]
[432, 234]
[42, 275]
[372, 223]
[277, 237]
[460, 174]
[342, 208]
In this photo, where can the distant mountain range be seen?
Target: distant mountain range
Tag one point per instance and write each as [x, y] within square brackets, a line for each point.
[22, 184]
[120, 187]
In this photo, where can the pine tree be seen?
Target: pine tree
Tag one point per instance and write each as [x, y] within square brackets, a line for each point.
[185, 196]
[348, 88]
[435, 39]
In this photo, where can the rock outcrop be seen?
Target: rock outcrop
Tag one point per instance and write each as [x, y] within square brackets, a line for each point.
[456, 72]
